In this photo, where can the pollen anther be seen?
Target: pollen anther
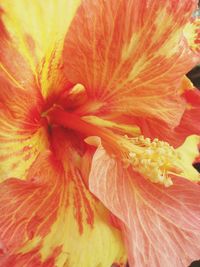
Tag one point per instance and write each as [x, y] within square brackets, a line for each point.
[152, 158]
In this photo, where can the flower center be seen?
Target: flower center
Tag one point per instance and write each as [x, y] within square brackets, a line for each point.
[58, 116]
[152, 158]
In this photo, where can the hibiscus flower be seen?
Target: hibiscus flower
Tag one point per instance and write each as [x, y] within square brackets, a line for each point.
[98, 133]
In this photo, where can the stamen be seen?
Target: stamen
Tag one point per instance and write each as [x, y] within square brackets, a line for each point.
[154, 159]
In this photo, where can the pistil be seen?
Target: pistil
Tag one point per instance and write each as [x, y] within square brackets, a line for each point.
[154, 159]
[58, 116]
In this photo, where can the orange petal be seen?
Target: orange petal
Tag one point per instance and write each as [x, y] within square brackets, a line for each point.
[156, 128]
[161, 225]
[25, 206]
[189, 123]
[33, 34]
[51, 219]
[22, 136]
[131, 55]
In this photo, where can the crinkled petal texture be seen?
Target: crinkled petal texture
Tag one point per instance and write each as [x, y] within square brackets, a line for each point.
[132, 51]
[52, 220]
[161, 225]
[32, 32]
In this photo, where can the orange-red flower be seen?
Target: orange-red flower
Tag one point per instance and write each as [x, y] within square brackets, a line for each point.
[96, 118]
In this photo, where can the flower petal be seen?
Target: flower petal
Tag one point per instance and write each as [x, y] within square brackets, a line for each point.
[161, 225]
[192, 33]
[123, 54]
[189, 123]
[22, 135]
[52, 220]
[189, 152]
[34, 32]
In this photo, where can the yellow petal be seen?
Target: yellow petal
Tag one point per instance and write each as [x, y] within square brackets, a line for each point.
[188, 152]
[37, 30]
[99, 245]
[18, 152]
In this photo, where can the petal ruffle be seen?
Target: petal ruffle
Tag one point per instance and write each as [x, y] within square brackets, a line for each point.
[32, 40]
[161, 225]
[129, 61]
[52, 220]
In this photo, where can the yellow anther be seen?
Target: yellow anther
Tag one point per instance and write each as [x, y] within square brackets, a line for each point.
[132, 154]
[153, 159]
